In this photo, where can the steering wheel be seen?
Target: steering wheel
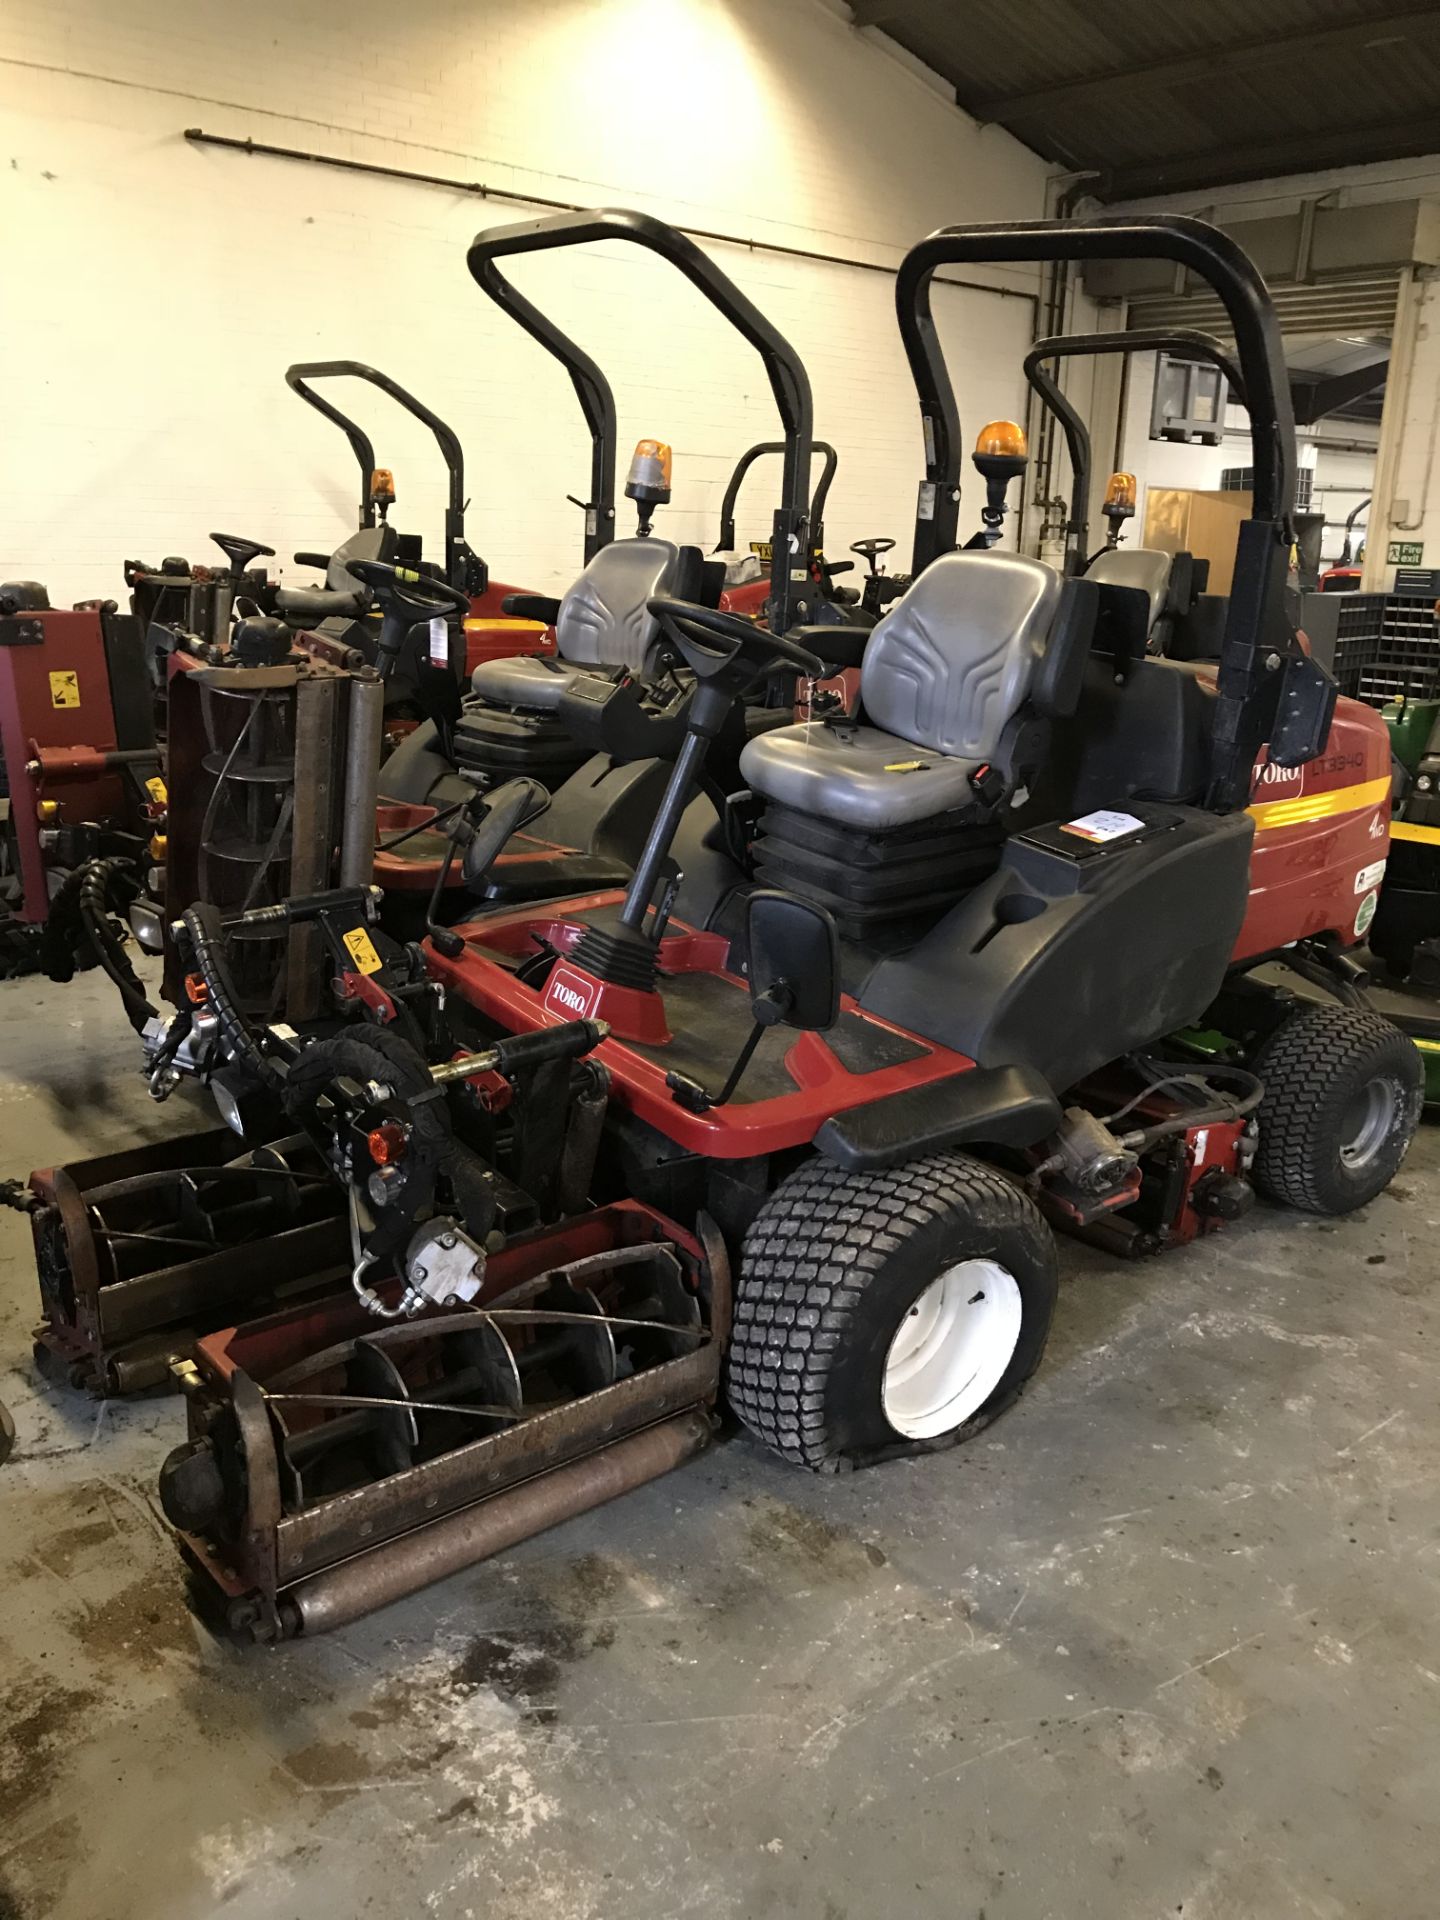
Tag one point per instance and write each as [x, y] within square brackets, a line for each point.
[871, 549]
[412, 596]
[721, 645]
[240, 552]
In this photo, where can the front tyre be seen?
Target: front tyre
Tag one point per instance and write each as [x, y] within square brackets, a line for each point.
[897, 1311]
[1343, 1093]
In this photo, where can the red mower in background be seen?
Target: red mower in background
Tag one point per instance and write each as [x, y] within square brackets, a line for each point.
[747, 575]
[593, 728]
[81, 767]
[486, 632]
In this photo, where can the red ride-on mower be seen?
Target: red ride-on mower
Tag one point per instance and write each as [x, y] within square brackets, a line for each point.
[595, 725]
[81, 771]
[1015, 914]
[485, 632]
[747, 575]
[1180, 618]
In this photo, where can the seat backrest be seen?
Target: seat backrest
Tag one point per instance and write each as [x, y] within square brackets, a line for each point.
[603, 619]
[1144, 567]
[952, 662]
[367, 543]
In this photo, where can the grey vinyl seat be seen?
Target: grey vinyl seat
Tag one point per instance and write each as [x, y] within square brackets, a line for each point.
[603, 623]
[978, 643]
[1144, 567]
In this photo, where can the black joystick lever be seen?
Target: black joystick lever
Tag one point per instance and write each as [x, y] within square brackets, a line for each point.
[240, 553]
[727, 655]
[406, 599]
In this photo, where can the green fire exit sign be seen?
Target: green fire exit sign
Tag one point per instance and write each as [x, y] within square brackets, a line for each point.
[1405, 553]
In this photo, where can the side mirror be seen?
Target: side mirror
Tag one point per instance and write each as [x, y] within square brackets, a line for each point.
[794, 962]
[147, 923]
[508, 808]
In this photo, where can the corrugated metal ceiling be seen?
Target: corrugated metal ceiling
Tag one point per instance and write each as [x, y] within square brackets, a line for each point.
[1169, 95]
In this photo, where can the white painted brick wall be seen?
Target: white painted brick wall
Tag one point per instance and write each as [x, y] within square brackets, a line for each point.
[154, 292]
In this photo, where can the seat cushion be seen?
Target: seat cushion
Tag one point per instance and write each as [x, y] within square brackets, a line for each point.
[603, 619]
[1144, 567]
[856, 776]
[531, 682]
[366, 543]
[954, 660]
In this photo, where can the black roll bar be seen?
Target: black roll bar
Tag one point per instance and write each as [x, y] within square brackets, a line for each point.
[1259, 640]
[1190, 243]
[788, 380]
[592, 390]
[726, 542]
[298, 377]
[1060, 346]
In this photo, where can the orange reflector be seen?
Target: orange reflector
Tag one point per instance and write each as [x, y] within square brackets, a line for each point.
[387, 1143]
[1001, 437]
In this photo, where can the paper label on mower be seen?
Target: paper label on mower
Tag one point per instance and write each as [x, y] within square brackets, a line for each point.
[64, 689]
[439, 643]
[1370, 876]
[1102, 825]
[158, 792]
[361, 949]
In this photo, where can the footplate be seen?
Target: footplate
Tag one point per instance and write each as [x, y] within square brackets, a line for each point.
[334, 1466]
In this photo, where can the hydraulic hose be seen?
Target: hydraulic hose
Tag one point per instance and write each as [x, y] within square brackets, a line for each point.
[81, 909]
[202, 929]
[1247, 1097]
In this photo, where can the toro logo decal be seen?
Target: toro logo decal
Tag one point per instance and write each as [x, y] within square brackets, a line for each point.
[1275, 783]
[571, 994]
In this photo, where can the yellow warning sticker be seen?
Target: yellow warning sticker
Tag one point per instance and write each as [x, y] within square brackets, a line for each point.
[361, 949]
[64, 689]
[156, 789]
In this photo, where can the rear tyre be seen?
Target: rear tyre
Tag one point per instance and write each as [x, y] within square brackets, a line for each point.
[1343, 1092]
[890, 1312]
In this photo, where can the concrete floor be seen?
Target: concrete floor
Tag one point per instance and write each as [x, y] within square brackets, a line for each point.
[1163, 1643]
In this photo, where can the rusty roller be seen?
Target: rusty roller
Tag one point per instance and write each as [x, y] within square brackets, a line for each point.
[334, 1465]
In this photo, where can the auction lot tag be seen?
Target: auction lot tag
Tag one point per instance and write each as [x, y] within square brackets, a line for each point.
[1102, 825]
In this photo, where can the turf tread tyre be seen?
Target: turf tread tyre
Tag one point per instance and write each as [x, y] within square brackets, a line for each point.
[1309, 1065]
[813, 1260]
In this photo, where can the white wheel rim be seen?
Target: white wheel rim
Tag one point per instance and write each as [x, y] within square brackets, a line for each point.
[951, 1350]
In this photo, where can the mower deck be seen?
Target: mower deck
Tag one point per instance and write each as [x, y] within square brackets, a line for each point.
[335, 1464]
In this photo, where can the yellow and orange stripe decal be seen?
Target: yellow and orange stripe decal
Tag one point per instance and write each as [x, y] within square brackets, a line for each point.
[1305, 807]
